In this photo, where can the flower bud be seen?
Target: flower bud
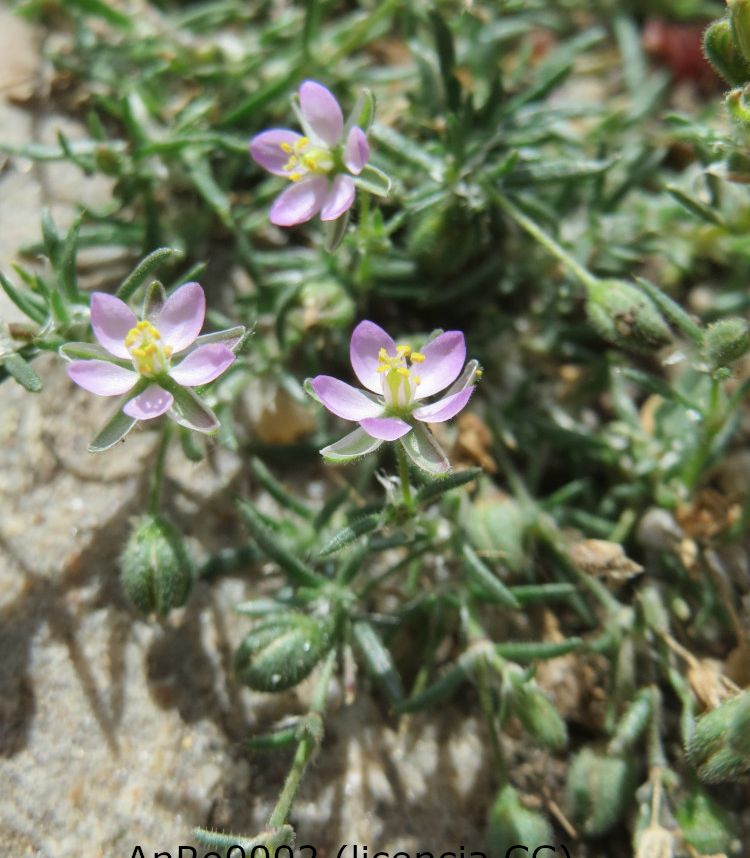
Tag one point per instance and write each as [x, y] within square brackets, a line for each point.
[155, 567]
[705, 825]
[739, 20]
[726, 341]
[539, 716]
[724, 55]
[599, 790]
[282, 651]
[625, 316]
[510, 823]
[718, 747]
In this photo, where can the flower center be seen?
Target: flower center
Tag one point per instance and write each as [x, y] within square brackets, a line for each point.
[149, 353]
[305, 158]
[400, 381]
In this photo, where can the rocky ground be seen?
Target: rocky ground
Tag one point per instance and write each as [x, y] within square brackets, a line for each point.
[117, 732]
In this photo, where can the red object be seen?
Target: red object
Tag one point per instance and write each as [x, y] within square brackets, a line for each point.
[679, 47]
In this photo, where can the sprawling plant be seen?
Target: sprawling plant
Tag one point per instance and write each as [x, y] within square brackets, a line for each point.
[506, 196]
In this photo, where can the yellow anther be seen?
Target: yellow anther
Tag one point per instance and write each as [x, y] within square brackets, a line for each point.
[404, 351]
[285, 147]
[309, 162]
[416, 357]
[479, 374]
[402, 370]
[168, 351]
[383, 355]
[295, 177]
[302, 142]
[416, 379]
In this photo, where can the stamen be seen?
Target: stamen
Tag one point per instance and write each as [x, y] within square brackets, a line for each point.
[416, 357]
[285, 147]
[404, 351]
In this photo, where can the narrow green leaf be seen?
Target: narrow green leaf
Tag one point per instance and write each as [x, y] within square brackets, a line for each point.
[22, 372]
[117, 428]
[526, 594]
[438, 487]
[378, 660]
[672, 310]
[66, 266]
[28, 303]
[481, 575]
[105, 11]
[144, 268]
[298, 571]
[523, 651]
[278, 491]
[353, 531]
[698, 208]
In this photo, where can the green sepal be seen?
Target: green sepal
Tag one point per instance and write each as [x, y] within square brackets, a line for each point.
[424, 451]
[374, 181]
[599, 790]
[509, 824]
[351, 447]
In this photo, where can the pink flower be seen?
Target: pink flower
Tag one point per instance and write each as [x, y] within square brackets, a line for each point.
[156, 359]
[398, 380]
[321, 164]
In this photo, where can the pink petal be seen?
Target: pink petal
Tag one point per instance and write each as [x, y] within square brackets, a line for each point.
[321, 112]
[153, 402]
[266, 150]
[111, 319]
[339, 199]
[385, 428]
[302, 201]
[101, 377]
[367, 340]
[444, 408]
[203, 365]
[344, 400]
[444, 360]
[181, 318]
[357, 151]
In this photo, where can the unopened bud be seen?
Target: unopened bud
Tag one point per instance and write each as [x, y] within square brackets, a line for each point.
[718, 748]
[726, 341]
[723, 53]
[510, 823]
[599, 790]
[156, 570]
[625, 316]
[280, 652]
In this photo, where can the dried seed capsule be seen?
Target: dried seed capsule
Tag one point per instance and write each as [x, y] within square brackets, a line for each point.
[280, 652]
[156, 570]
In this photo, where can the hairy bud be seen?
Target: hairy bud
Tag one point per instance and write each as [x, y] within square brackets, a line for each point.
[722, 52]
[156, 570]
[280, 652]
[726, 341]
[625, 316]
